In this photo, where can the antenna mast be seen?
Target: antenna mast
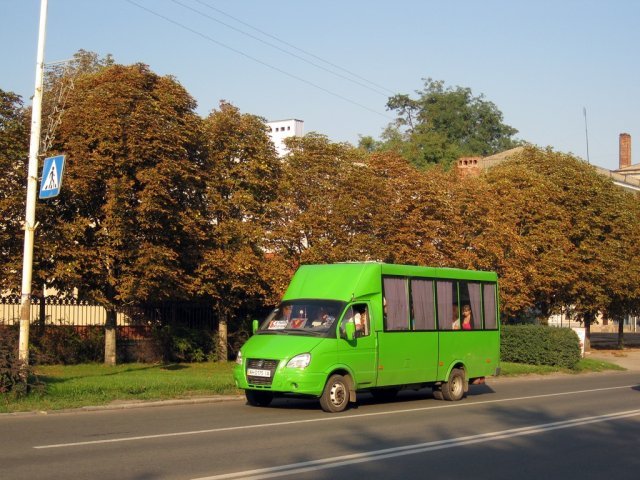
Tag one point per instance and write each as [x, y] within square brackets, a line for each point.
[586, 132]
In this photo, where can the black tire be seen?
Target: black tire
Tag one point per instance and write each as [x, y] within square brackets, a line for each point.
[384, 394]
[258, 398]
[335, 396]
[454, 389]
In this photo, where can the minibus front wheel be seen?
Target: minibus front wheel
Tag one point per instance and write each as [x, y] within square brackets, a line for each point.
[257, 398]
[335, 396]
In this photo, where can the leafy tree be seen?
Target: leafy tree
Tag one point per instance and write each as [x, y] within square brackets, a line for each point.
[329, 204]
[14, 152]
[59, 81]
[523, 237]
[242, 175]
[579, 230]
[624, 289]
[124, 229]
[422, 226]
[443, 124]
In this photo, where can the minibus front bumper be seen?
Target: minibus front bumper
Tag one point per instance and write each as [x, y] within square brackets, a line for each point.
[284, 380]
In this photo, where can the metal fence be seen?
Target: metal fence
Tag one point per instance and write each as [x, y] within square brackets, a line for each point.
[132, 322]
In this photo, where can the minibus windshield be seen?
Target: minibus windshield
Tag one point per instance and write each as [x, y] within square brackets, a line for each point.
[305, 317]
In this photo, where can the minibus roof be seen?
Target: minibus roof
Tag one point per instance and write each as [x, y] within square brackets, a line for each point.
[352, 280]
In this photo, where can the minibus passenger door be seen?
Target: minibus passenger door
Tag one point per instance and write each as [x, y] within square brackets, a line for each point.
[358, 354]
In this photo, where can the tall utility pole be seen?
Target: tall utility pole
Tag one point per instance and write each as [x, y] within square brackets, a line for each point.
[32, 190]
[586, 131]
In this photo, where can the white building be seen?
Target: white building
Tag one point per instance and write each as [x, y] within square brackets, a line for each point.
[281, 129]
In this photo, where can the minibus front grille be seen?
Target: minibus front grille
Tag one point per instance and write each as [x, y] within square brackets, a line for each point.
[262, 365]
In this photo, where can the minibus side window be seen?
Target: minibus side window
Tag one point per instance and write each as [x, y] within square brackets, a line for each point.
[489, 297]
[470, 297]
[423, 309]
[448, 312]
[396, 304]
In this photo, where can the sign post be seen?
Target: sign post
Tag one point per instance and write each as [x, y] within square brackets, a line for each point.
[32, 186]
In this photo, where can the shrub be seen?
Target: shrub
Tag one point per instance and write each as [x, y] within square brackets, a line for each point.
[92, 344]
[58, 344]
[68, 345]
[11, 369]
[179, 344]
[9, 366]
[540, 345]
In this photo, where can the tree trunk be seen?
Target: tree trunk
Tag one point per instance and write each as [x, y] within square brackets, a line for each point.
[222, 337]
[621, 333]
[42, 317]
[110, 337]
[588, 319]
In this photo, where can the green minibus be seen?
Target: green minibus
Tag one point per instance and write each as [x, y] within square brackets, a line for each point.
[346, 328]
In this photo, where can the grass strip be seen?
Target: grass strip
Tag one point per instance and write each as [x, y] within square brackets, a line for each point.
[74, 386]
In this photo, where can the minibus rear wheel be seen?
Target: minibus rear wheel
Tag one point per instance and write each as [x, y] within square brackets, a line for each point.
[257, 398]
[454, 389]
[335, 396]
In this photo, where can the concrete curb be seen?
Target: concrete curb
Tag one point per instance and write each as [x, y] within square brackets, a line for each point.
[129, 404]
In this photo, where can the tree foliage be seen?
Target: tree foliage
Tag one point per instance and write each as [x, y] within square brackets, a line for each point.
[578, 233]
[124, 228]
[443, 124]
[330, 204]
[242, 175]
[160, 204]
[14, 152]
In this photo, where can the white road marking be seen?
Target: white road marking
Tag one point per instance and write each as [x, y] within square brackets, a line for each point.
[375, 455]
[323, 419]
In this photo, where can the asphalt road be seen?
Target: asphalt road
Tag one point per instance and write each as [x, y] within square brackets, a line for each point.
[565, 426]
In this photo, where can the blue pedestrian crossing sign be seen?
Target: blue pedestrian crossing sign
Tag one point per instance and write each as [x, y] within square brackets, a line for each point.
[52, 176]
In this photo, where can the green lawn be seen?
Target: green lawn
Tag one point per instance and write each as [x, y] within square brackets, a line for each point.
[75, 386]
[585, 365]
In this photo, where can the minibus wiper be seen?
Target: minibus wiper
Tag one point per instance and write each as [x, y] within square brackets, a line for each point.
[297, 331]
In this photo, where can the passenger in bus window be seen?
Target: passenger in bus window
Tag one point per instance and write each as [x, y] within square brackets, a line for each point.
[323, 318]
[467, 320]
[359, 317]
[455, 325]
[361, 320]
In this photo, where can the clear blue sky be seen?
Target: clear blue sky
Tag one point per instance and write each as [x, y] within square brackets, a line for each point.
[540, 61]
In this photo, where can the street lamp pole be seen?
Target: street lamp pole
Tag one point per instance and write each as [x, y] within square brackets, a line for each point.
[32, 187]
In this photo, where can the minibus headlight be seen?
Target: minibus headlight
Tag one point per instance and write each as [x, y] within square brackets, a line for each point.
[239, 358]
[300, 361]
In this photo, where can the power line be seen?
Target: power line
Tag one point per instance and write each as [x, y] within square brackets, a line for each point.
[239, 52]
[279, 49]
[295, 48]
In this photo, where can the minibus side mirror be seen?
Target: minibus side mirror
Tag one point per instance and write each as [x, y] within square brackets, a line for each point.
[254, 327]
[350, 330]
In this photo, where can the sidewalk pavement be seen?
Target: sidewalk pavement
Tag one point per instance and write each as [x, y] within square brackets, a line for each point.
[628, 358]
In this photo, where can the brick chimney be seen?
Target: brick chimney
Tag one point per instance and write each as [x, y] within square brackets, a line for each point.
[468, 166]
[625, 150]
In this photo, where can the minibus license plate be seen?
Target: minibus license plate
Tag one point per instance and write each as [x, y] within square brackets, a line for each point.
[254, 372]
